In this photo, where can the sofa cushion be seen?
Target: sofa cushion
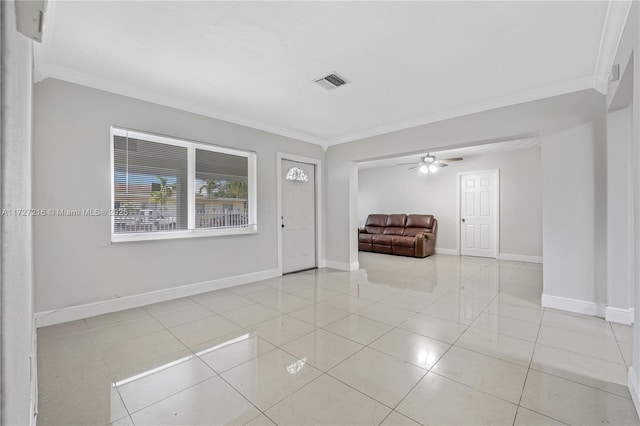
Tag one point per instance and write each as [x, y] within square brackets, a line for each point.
[412, 232]
[365, 238]
[393, 230]
[375, 223]
[403, 241]
[382, 239]
[376, 220]
[399, 220]
[419, 221]
[374, 229]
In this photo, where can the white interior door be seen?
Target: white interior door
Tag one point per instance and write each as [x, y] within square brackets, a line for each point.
[479, 214]
[298, 217]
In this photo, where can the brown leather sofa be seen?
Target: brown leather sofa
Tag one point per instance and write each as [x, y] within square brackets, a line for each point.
[406, 235]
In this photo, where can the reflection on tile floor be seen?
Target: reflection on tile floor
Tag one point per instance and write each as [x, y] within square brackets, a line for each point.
[441, 340]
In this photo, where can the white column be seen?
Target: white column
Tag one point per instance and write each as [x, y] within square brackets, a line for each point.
[17, 375]
[634, 182]
[619, 218]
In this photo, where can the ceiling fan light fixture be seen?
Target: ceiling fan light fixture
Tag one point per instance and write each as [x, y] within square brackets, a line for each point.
[429, 164]
[428, 159]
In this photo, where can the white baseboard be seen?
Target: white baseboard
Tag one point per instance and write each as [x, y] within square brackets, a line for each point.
[343, 266]
[519, 257]
[619, 315]
[322, 263]
[73, 313]
[632, 383]
[573, 305]
[450, 252]
[501, 256]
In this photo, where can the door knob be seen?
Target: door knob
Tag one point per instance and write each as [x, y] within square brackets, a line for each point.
[283, 225]
[462, 221]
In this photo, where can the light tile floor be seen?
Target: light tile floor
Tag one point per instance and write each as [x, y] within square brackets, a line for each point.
[441, 340]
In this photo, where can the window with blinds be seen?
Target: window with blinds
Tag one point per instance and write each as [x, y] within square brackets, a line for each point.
[169, 188]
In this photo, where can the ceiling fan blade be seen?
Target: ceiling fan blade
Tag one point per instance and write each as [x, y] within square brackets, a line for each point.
[406, 164]
[411, 168]
[451, 160]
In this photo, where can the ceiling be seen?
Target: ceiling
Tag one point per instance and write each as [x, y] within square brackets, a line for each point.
[464, 152]
[253, 63]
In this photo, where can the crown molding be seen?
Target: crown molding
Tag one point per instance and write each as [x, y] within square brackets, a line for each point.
[90, 80]
[612, 29]
[615, 19]
[45, 70]
[602, 86]
[528, 96]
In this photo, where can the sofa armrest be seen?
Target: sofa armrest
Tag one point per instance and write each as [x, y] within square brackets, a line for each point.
[362, 231]
[425, 244]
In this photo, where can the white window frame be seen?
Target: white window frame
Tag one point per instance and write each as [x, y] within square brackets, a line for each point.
[191, 231]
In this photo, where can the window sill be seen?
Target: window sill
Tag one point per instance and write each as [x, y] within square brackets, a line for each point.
[172, 235]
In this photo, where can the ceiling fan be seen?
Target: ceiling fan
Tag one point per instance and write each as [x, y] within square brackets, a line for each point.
[429, 164]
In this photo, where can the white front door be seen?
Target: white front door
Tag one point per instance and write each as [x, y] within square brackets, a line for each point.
[479, 214]
[298, 216]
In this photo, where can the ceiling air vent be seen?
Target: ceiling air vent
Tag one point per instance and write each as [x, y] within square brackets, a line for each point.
[331, 81]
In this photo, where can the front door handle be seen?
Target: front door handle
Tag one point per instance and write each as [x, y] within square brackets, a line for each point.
[462, 221]
[283, 225]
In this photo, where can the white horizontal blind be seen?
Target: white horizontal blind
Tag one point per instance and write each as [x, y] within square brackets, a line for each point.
[150, 186]
[164, 187]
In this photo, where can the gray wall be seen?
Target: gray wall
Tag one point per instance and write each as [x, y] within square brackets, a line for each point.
[620, 209]
[628, 48]
[574, 215]
[541, 117]
[395, 189]
[17, 350]
[75, 261]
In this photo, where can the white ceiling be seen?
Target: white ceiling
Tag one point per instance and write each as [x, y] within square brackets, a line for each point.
[253, 63]
[464, 152]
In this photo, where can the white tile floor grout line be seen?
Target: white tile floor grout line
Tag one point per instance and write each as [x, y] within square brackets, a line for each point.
[526, 377]
[471, 278]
